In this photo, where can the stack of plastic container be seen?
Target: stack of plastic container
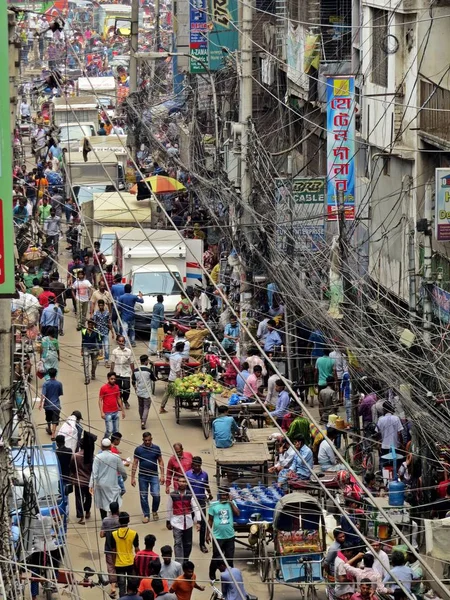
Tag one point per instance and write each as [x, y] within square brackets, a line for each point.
[255, 503]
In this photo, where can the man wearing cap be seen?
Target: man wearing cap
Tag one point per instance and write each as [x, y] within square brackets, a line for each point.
[91, 342]
[220, 520]
[104, 484]
[199, 482]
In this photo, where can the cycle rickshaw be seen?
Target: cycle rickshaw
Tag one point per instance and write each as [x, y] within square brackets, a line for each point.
[299, 537]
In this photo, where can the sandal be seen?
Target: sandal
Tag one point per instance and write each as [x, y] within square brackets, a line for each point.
[145, 519]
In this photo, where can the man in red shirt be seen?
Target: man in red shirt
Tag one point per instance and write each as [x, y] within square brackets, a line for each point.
[144, 557]
[173, 466]
[109, 403]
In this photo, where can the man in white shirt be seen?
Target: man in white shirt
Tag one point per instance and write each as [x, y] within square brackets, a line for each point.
[326, 456]
[123, 366]
[389, 426]
[381, 564]
[180, 506]
[344, 585]
[263, 330]
[176, 360]
[285, 460]
[82, 289]
[272, 394]
[25, 110]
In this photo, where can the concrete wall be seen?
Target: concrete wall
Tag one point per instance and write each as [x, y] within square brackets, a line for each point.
[391, 209]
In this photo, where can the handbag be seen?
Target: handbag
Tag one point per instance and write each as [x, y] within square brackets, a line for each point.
[40, 369]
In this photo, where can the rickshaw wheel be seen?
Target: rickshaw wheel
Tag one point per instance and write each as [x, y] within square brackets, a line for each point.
[263, 559]
[270, 579]
[206, 421]
[177, 409]
[311, 593]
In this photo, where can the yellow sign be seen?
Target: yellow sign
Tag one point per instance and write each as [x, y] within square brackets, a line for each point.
[341, 87]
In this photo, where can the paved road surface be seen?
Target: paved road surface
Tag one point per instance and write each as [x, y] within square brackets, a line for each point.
[85, 546]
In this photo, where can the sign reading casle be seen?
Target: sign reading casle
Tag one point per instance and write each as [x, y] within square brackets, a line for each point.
[341, 145]
[300, 214]
[442, 203]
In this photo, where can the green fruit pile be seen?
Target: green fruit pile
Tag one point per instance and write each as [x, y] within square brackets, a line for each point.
[191, 384]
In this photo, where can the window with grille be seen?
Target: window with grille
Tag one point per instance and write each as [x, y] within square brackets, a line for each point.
[380, 23]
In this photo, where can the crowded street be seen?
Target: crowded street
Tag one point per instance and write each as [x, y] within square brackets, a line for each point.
[224, 334]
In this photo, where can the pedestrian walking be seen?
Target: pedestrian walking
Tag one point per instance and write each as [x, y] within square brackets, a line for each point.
[122, 364]
[52, 229]
[328, 400]
[141, 379]
[233, 583]
[51, 316]
[52, 390]
[185, 584]
[156, 324]
[81, 471]
[124, 542]
[103, 324]
[170, 569]
[49, 351]
[126, 306]
[81, 290]
[116, 438]
[72, 430]
[181, 504]
[175, 361]
[148, 457]
[199, 483]
[101, 294]
[90, 346]
[220, 521]
[64, 455]
[177, 466]
[110, 404]
[103, 483]
[109, 524]
[144, 557]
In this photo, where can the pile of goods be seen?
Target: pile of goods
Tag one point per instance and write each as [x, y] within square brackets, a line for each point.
[304, 540]
[191, 385]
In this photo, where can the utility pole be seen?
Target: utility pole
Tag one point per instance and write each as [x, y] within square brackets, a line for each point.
[134, 40]
[245, 118]
[157, 43]
[427, 273]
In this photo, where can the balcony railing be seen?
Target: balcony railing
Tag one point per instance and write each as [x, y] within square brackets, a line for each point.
[434, 117]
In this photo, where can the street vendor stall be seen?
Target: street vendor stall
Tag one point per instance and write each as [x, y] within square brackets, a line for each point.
[193, 393]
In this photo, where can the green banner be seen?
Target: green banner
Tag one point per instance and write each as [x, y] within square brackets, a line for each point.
[223, 32]
[7, 282]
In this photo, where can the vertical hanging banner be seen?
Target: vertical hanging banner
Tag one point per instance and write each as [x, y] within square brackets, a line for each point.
[340, 145]
[442, 203]
[222, 31]
[7, 281]
[198, 36]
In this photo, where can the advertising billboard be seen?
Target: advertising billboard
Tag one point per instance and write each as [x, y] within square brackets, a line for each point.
[340, 145]
[442, 203]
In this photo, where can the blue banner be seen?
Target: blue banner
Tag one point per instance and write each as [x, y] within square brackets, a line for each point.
[222, 32]
[340, 145]
[198, 40]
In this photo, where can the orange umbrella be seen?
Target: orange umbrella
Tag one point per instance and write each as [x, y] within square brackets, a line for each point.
[161, 185]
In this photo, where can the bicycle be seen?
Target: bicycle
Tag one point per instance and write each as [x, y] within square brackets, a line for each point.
[361, 454]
